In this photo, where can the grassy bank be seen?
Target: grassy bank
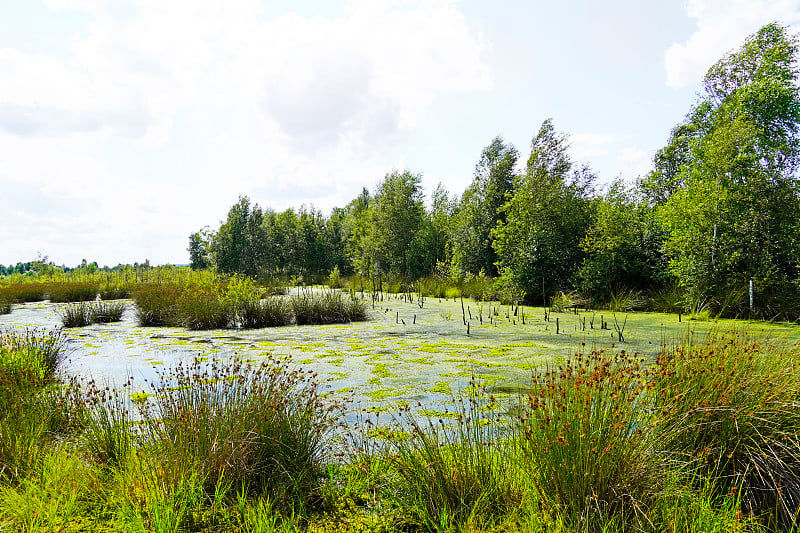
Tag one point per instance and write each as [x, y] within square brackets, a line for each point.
[703, 439]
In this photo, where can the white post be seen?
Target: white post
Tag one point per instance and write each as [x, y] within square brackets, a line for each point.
[751, 295]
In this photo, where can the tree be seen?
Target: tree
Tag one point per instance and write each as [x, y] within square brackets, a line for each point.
[393, 219]
[547, 216]
[623, 245]
[730, 197]
[239, 246]
[198, 250]
[480, 209]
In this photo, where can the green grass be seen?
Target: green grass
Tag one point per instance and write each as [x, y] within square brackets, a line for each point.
[84, 313]
[703, 439]
[327, 308]
[72, 292]
[265, 313]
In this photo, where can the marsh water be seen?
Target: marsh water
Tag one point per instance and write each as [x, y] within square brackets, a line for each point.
[405, 352]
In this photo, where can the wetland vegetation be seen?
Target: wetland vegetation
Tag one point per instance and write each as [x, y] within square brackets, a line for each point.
[536, 355]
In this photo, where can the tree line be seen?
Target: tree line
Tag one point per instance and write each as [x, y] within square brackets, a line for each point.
[719, 209]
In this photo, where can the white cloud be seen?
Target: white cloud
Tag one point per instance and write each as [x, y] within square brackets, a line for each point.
[722, 25]
[584, 146]
[152, 119]
[633, 162]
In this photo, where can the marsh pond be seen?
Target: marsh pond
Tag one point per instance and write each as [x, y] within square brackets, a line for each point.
[404, 353]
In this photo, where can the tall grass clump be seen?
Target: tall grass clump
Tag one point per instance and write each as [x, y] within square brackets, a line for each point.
[202, 307]
[24, 292]
[156, 304]
[5, 304]
[582, 430]
[264, 313]
[72, 292]
[729, 411]
[327, 308]
[84, 313]
[263, 428]
[31, 410]
[33, 354]
[454, 473]
[115, 292]
[76, 315]
[105, 312]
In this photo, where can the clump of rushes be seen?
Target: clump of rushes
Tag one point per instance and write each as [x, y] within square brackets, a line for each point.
[450, 474]
[269, 312]
[31, 411]
[263, 428]
[156, 304]
[82, 314]
[72, 292]
[202, 307]
[76, 315]
[729, 409]
[582, 432]
[5, 305]
[327, 308]
[26, 292]
[114, 292]
[105, 312]
[106, 419]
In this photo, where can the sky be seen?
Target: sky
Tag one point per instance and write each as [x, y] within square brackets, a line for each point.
[127, 125]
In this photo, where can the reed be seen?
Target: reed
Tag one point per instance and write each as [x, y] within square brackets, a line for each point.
[327, 308]
[264, 428]
[729, 411]
[72, 292]
[583, 432]
[265, 313]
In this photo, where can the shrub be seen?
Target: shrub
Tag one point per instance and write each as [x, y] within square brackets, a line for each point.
[269, 312]
[263, 428]
[582, 430]
[729, 409]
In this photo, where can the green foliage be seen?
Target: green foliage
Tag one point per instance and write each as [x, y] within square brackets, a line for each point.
[729, 409]
[583, 429]
[623, 246]
[453, 474]
[263, 428]
[480, 208]
[335, 278]
[199, 257]
[726, 182]
[546, 218]
[390, 241]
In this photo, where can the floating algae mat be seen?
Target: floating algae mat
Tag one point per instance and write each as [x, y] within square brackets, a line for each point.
[405, 353]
